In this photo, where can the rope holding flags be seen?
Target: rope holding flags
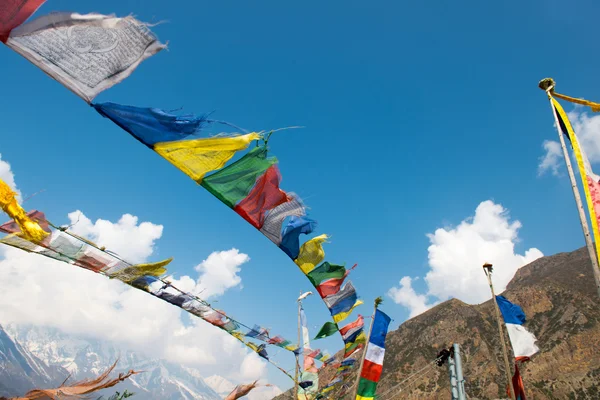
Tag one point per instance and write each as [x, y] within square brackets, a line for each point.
[89, 53]
[61, 245]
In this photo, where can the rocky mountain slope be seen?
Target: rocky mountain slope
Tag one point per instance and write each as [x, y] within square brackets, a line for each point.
[42, 357]
[21, 371]
[562, 306]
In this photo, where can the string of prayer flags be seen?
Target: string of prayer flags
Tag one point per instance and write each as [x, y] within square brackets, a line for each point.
[250, 186]
[373, 364]
[14, 12]
[66, 247]
[86, 53]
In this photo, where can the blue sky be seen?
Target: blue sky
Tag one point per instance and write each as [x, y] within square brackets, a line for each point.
[414, 115]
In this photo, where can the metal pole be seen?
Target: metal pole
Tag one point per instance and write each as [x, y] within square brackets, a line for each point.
[582, 217]
[298, 353]
[453, 380]
[488, 272]
[460, 379]
[364, 354]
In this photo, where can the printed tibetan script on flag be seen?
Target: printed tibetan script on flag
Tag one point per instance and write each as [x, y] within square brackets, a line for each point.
[86, 53]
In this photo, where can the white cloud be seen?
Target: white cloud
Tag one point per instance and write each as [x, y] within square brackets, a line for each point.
[406, 296]
[7, 175]
[44, 292]
[456, 256]
[264, 393]
[552, 160]
[219, 272]
[587, 130]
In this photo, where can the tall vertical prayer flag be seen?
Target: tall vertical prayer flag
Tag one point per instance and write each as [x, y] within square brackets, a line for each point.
[86, 53]
[591, 181]
[373, 364]
[522, 341]
[310, 372]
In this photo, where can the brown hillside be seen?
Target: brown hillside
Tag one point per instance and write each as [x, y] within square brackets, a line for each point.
[562, 307]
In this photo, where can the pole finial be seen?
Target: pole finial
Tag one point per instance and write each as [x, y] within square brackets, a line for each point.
[547, 84]
[487, 268]
[378, 301]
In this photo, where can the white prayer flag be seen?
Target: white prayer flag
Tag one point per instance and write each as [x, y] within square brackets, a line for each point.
[86, 53]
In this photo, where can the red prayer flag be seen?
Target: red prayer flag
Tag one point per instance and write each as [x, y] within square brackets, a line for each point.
[264, 196]
[13, 13]
[518, 384]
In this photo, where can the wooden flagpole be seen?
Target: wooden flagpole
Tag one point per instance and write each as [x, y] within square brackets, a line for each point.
[487, 268]
[377, 302]
[548, 85]
[298, 353]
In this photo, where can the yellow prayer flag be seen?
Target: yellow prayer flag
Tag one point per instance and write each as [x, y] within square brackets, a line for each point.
[30, 229]
[198, 157]
[134, 272]
[311, 254]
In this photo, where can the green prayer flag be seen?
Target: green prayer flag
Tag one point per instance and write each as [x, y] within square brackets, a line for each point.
[326, 271]
[366, 388]
[233, 183]
[327, 330]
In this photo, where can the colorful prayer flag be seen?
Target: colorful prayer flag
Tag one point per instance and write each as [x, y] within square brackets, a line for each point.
[232, 183]
[373, 364]
[86, 53]
[523, 341]
[152, 125]
[327, 278]
[197, 157]
[13, 13]
[274, 220]
[590, 181]
[328, 329]
[352, 328]
[290, 241]
[311, 254]
[344, 314]
[30, 229]
[264, 196]
[518, 384]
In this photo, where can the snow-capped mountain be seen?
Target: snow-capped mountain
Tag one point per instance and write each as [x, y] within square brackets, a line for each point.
[21, 371]
[220, 385]
[84, 358]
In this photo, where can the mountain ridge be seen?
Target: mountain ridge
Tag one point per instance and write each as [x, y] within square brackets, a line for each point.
[558, 296]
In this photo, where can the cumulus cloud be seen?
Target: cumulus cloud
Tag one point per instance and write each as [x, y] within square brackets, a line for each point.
[44, 292]
[588, 133]
[219, 272]
[7, 175]
[457, 254]
[552, 159]
[406, 296]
